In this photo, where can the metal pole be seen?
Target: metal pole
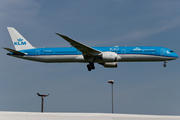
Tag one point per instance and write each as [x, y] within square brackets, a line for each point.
[112, 82]
[42, 104]
[112, 99]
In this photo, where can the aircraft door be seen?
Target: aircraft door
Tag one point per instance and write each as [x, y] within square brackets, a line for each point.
[37, 52]
[123, 51]
[78, 52]
[162, 51]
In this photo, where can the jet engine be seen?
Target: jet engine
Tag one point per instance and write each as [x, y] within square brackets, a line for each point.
[109, 56]
[109, 64]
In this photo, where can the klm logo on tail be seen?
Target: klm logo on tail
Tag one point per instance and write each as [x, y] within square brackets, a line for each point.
[20, 42]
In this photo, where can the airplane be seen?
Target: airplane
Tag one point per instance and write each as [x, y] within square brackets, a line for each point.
[106, 56]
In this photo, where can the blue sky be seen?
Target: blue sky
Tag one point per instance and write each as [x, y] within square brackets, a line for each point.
[140, 88]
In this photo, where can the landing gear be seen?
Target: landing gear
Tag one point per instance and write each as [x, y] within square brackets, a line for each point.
[164, 63]
[90, 66]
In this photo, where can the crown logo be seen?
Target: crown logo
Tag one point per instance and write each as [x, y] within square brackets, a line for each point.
[137, 48]
[19, 39]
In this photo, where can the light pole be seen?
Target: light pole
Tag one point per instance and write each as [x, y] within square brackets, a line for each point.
[42, 96]
[112, 82]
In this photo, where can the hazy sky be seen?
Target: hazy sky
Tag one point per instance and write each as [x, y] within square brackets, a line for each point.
[140, 88]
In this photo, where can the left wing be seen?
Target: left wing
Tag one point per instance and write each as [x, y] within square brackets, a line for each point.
[87, 51]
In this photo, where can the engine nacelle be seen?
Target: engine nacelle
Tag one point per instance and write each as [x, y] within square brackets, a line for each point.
[109, 64]
[109, 56]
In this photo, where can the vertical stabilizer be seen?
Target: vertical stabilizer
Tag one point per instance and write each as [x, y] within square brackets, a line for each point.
[19, 42]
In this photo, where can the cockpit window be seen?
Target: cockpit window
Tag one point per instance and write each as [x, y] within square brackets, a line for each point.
[171, 51]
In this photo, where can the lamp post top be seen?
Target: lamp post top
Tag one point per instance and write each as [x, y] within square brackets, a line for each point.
[42, 95]
[111, 81]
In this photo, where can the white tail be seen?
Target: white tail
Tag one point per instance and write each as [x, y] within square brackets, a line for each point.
[19, 42]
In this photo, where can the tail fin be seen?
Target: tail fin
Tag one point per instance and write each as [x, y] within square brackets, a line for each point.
[19, 42]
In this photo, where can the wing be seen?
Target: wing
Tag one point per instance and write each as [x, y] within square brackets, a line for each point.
[87, 51]
[14, 51]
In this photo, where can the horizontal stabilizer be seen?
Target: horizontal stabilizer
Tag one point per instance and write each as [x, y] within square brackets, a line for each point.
[14, 51]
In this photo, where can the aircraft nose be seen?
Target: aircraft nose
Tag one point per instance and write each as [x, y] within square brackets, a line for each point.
[176, 56]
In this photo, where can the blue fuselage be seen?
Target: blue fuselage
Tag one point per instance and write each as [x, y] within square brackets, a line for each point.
[125, 54]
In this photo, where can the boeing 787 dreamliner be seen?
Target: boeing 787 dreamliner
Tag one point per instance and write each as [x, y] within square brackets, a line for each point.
[106, 56]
